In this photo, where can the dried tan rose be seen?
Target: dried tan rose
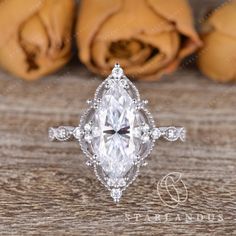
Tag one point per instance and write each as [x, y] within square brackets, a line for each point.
[35, 36]
[217, 59]
[148, 38]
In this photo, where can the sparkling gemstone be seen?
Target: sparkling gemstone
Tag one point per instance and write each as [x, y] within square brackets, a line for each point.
[77, 133]
[124, 83]
[87, 127]
[88, 137]
[171, 133]
[115, 119]
[117, 72]
[116, 194]
[156, 133]
[62, 133]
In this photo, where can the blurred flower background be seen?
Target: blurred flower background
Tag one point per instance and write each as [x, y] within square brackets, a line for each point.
[35, 36]
[149, 38]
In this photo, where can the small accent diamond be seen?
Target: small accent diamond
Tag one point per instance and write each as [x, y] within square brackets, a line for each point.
[117, 72]
[61, 133]
[156, 133]
[77, 133]
[116, 194]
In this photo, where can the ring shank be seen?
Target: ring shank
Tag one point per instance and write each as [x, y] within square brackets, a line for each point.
[62, 133]
[68, 133]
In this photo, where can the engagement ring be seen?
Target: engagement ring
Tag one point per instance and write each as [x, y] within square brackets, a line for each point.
[116, 133]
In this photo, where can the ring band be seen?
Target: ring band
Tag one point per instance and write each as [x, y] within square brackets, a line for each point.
[69, 133]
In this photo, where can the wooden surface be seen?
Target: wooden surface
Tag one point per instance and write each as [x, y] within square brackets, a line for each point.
[46, 189]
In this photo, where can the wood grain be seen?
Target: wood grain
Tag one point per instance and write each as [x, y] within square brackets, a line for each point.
[46, 189]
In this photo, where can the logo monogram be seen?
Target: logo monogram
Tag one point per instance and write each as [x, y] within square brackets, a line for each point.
[172, 190]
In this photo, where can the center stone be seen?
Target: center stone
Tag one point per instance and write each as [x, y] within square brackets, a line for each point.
[116, 133]
[114, 123]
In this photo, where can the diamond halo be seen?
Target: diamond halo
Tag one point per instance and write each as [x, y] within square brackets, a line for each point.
[116, 133]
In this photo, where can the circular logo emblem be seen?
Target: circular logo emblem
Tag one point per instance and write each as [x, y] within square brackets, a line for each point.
[172, 190]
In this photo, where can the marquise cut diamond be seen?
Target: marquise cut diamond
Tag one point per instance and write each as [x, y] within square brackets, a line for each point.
[115, 118]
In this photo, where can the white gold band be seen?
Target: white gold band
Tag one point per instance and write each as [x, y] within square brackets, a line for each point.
[67, 133]
[63, 133]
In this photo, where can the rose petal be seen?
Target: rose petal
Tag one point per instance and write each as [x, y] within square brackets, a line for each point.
[113, 29]
[136, 59]
[58, 23]
[128, 22]
[179, 13]
[40, 43]
[163, 42]
[15, 12]
[34, 33]
[91, 16]
[104, 23]
[167, 42]
[217, 58]
[224, 19]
